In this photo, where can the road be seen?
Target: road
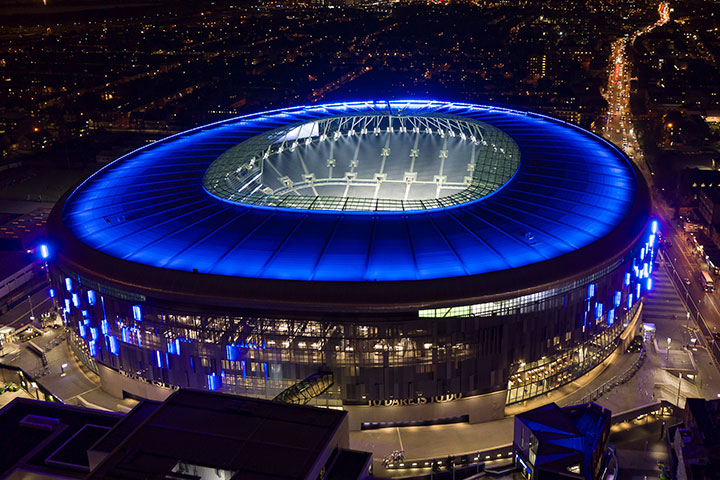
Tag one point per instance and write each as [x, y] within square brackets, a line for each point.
[618, 127]
[618, 130]
[20, 314]
[685, 266]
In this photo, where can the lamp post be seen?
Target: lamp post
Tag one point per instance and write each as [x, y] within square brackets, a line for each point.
[678, 395]
[32, 314]
[667, 355]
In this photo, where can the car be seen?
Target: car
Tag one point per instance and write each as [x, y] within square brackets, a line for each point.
[687, 280]
[635, 344]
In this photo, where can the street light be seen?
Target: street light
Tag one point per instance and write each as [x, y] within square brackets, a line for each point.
[678, 395]
[32, 314]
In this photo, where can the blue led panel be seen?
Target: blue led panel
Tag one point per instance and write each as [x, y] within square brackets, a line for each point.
[114, 347]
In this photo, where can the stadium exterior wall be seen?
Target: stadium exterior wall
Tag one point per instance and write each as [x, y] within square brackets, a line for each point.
[465, 362]
[400, 351]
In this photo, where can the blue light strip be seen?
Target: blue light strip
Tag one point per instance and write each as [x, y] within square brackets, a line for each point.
[232, 353]
[102, 302]
[174, 347]
[214, 382]
[527, 469]
[114, 347]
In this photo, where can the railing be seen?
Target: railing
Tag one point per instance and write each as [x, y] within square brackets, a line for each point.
[603, 353]
[680, 287]
[617, 380]
[661, 406]
[475, 459]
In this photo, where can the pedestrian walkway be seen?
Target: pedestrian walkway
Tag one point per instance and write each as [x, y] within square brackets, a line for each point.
[665, 308]
[64, 376]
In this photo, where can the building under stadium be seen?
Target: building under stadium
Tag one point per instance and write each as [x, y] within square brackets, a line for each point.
[413, 262]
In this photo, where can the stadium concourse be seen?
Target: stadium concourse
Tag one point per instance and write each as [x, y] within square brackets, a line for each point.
[413, 262]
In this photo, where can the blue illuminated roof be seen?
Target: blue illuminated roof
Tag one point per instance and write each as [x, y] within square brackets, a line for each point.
[570, 190]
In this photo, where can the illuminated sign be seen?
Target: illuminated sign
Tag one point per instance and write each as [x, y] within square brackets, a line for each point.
[415, 401]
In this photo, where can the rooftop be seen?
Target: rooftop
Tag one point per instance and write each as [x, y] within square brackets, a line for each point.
[571, 190]
[193, 433]
[565, 434]
[245, 437]
[50, 438]
[12, 262]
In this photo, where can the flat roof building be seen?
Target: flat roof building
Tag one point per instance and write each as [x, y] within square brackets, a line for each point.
[193, 434]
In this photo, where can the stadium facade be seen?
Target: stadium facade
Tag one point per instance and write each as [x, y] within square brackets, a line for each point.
[437, 261]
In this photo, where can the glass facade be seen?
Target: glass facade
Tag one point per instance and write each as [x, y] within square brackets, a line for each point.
[528, 344]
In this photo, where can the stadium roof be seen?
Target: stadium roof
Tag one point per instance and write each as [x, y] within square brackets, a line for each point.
[571, 191]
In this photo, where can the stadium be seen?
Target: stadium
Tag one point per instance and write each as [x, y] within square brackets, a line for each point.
[414, 262]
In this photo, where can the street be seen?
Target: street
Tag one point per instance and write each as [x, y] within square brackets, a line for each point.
[618, 126]
[39, 303]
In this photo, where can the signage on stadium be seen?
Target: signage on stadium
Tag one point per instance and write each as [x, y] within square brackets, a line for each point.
[415, 401]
